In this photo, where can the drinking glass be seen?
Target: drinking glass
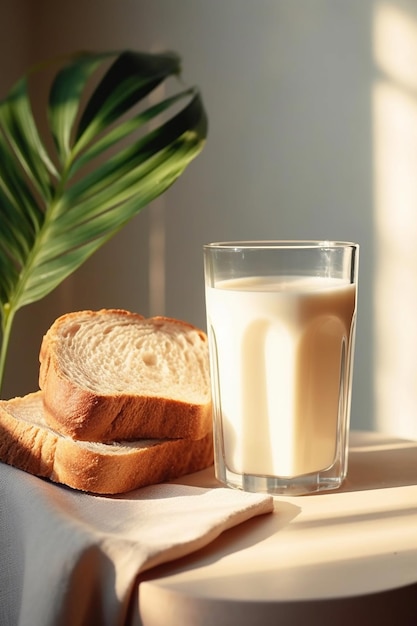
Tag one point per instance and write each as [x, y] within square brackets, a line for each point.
[281, 324]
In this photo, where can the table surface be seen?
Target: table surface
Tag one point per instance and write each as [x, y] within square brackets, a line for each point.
[345, 557]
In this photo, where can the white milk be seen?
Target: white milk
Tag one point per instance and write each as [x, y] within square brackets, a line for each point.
[281, 350]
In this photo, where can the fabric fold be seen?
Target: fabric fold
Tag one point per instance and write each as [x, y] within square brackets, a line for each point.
[68, 557]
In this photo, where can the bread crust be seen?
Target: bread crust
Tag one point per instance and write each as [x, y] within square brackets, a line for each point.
[86, 415]
[37, 449]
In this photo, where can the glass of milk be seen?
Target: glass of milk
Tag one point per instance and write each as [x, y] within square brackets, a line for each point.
[281, 325]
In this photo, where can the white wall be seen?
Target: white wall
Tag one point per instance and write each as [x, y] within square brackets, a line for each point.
[289, 87]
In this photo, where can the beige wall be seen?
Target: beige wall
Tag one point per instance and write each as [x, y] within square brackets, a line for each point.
[291, 90]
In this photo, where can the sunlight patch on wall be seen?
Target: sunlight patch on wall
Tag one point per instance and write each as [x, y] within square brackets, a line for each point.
[395, 192]
[157, 257]
[156, 271]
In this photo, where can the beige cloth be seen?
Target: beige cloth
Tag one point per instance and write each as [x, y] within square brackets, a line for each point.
[69, 558]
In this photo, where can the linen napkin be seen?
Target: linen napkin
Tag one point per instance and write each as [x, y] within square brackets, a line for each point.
[71, 559]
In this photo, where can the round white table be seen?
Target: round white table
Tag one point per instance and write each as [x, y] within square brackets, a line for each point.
[347, 557]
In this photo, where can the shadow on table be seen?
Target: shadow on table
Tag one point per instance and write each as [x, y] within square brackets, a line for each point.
[238, 538]
[380, 462]
[394, 607]
[365, 607]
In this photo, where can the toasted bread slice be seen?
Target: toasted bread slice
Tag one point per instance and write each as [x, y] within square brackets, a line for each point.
[113, 375]
[28, 443]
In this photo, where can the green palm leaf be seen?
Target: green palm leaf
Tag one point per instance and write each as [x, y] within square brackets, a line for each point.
[68, 190]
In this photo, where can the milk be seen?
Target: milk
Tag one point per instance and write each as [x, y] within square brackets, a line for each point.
[279, 359]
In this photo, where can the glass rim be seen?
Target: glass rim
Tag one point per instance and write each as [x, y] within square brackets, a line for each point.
[279, 244]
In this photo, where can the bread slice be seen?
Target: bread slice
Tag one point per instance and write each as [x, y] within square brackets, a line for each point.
[26, 442]
[109, 375]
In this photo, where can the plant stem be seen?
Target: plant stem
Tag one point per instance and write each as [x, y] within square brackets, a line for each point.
[7, 323]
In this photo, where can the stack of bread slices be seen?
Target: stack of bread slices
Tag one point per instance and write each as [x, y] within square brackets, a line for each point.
[124, 402]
